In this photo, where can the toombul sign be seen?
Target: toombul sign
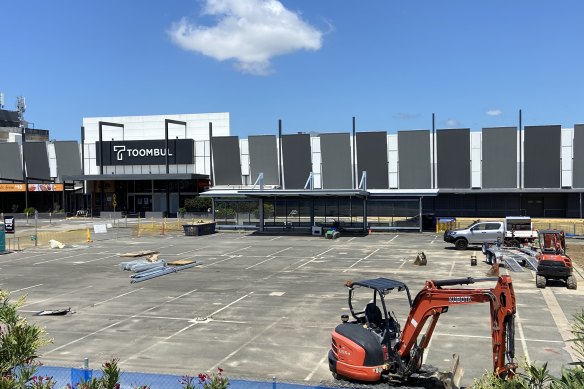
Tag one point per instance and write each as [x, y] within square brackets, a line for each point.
[145, 152]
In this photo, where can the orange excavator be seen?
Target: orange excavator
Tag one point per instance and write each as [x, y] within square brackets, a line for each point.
[373, 346]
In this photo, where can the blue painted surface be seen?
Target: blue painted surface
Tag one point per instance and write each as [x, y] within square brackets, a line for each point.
[129, 380]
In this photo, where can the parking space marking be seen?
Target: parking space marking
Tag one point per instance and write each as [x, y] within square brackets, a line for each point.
[58, 295]
[451, 269]
[231, 354]
[522, 337]
[58, 259]
[234, 251]
[30, 287]
[97, 259]
[314, 258]
[392, 239]
[167, 338]
[116, 323]
[272, 256]
[318, 365]
[362, 259]
[560, 319]
[118, 296]
[278, 252]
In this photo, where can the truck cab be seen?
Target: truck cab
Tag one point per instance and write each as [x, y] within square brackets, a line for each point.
[476, 233]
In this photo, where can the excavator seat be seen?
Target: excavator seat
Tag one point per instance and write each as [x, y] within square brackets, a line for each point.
[373, 315]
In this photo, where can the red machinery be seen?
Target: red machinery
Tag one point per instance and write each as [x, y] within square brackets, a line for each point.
[553, 262]
[373, 345]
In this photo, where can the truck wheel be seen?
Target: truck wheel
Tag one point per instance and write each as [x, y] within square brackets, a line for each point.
[461, 244]
[540, 281]
[515, 243]
[571, 282]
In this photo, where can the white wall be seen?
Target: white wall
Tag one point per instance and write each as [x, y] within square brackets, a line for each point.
[151, 128]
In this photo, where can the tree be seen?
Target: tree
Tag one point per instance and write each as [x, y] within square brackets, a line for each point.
[19, 343]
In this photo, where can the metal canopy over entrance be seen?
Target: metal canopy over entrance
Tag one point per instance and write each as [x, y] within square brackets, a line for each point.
[353, 210]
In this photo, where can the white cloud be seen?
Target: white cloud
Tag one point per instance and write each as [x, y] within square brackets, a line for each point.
[452, 123]
[250, 32]
[494, 112]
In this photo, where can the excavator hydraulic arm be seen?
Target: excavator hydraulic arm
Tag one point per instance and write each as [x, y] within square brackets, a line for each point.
[438, 295]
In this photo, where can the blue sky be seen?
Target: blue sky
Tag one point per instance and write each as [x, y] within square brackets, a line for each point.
[314, 64]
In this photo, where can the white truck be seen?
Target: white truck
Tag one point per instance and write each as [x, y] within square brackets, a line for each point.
[513, 231]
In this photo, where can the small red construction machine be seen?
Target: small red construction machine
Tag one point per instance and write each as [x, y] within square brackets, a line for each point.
[374, 346]
[553, 262]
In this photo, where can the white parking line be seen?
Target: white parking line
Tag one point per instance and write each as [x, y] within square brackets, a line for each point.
[522, 337]
[244, 345]
[58, 259]
[278, 252]
[116, 323]
[277, 237]
[184, 329]
[58, 295]
[451, 269]
[234, 251]
[30, 287]
[392, 239]
[362, 259]
[309, 376]
[560, 319]
[314, 258]
[118, 296]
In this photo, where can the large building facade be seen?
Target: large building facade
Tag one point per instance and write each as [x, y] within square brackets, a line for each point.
[390, 181]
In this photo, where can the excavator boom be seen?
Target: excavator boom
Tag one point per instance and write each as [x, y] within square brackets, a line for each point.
[438, 295]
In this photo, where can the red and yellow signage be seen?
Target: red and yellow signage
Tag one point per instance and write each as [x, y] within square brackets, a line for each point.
[31, 187]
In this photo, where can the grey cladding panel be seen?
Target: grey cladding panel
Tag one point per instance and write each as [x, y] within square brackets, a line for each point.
[414, 159]
[578, 163]
[226, 160]
[297, 160]
[335, 151]
[542, 156]
[372, 158]
[499, 157]
[10, 162]
[68, 159]
[263, 158]
[37, 161]
[453, 158]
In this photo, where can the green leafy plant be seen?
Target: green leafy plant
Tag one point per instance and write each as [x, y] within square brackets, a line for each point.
[181, 212]
[19, 344]
[29, 211]
[110, 378]
[197, 204]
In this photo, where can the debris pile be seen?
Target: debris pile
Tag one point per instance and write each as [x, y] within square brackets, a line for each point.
[150, 266]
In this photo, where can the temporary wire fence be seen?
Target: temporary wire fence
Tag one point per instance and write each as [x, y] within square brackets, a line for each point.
[150, 227]
[64, 376]
[570, 228]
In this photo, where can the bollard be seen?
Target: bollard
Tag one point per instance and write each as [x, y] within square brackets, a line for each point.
[274, 382]
[86, 363]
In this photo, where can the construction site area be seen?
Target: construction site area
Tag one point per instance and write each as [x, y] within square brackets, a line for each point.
[262, 307]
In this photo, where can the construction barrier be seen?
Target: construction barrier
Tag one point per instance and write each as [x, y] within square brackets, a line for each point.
[443, 224]
[150, 227]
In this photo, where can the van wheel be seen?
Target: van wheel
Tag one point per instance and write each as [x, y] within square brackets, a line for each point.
[571, 282]
[540, 281]
[461, 244]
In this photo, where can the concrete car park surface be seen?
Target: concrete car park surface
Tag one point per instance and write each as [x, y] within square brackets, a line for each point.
[262, 306]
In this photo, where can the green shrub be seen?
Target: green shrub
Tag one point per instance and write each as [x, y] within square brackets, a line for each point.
[29, 211]
[197, 204]
[19, 344]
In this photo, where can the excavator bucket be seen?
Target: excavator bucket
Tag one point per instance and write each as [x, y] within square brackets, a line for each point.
[451, 380]
[494, 270]
[421, 259]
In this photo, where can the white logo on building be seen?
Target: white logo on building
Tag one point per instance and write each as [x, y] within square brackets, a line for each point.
[157, 152]
[120, 150]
